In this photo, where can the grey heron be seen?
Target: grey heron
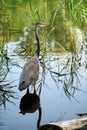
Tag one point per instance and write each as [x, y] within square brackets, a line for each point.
[30, 71]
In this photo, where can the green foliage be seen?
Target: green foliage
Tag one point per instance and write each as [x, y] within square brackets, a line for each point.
[6, 94]
[44, 10]
[62, 15]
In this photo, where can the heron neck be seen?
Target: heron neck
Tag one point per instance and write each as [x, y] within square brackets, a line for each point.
[39, 118]
[37, 42]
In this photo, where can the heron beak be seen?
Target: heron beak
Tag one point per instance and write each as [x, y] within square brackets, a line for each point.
[44, 24]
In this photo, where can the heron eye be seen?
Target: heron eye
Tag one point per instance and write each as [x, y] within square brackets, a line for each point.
[23, 82]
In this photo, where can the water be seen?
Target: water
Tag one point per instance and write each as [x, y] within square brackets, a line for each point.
[56, 103]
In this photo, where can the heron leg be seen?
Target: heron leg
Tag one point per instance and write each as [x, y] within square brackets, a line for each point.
[27, 90]
[35, 87]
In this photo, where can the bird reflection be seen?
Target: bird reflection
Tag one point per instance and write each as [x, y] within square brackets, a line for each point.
[29, 103]
[46, 126]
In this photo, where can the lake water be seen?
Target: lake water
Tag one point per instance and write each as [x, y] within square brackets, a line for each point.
[61, 87]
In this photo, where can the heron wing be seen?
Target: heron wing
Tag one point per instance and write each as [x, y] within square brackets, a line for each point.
[29, 73]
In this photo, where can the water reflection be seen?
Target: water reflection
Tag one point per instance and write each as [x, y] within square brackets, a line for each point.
[66, 73]
[6, 91]
[6, 94]
[30, 103]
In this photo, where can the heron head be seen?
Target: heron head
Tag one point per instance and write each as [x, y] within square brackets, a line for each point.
[40, 24]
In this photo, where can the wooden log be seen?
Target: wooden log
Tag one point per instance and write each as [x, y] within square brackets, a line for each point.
[79, 123]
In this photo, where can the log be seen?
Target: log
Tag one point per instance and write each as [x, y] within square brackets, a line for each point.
[79, 123]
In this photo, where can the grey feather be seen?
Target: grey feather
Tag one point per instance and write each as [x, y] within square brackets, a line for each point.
[30, 73]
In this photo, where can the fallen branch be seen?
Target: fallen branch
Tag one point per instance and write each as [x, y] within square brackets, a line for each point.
[79, 123]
